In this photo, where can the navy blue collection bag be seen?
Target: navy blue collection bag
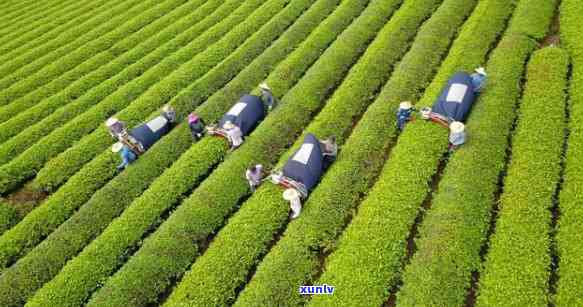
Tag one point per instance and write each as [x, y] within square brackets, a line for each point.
[246, 113]
[147, 134]
[306, 164]
[456, 98]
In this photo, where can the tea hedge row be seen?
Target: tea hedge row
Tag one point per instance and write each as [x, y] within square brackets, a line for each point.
[58, 170]
[239, 246]
[568, 238]
[45, 100]
[33, 159]
[516, 272]
[176, 37]
[48, 13]
[79, 277]
[294, 260]
[226, 186]
[460, 215]
[375, 240]
[77, 63]
[26, 63]
[67, 200]
[13, 33]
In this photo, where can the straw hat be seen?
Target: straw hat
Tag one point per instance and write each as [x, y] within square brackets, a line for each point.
[228, 125]
[456, 127]
[116, 147]
[111, 121]
[481, 71]
[264, 86]
[167, 108]
[290, 194]
[406, 105]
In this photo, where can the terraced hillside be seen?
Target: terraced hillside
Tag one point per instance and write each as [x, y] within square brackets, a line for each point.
[397, 218]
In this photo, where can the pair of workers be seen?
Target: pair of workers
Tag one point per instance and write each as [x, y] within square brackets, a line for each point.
[452, 106]
[133, 143]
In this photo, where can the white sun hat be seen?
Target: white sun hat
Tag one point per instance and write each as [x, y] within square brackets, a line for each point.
[116, 147]
[290, 194]
[481, 71]
[111, 121]
[167, 108]
[228, 125]
[457, 127]
[264, 86]
[406, 105]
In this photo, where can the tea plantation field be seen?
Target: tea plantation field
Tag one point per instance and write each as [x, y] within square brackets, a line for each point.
[398, 219]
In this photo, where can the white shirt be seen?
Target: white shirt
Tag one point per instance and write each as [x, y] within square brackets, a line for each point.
[235, 136]
[255, 178]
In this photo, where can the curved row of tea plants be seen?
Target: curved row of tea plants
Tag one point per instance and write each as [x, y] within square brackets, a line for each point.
[375, 240]
[461, 209]
[226, 186]
[294, 260]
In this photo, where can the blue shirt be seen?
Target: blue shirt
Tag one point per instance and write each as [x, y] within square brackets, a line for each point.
[403, 116]
[478, 82]
[127, 156]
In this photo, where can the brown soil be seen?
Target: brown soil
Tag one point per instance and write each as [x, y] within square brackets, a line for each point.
[25, 200]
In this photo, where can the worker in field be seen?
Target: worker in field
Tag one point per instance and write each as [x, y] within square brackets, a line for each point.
[404, 114]
[478, 79]
[457, 135]
[169, 113]
[196, 125]
[254, 175]
[234, 134]
[115, 127]
[126, 154]
[267, 96]
[295, 202]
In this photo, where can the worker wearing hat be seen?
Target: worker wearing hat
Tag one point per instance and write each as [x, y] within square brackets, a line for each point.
[404, 114]
[457, 135]
[115, 127]
[169, 113]
[196, 125]
[478, 79]
[267, 96]
[234, 134]
[295, 203]
[127, 156]
[254, 175]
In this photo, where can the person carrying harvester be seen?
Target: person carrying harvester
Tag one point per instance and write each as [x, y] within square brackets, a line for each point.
[267, 96]
[303, 170]
[115, 127]
[240, 120]
[196, 125]
[404, 114]
[478, 79]
[234, 134]
[295, 203]
[169, 113]
[457, 135]
[126, 154]
[254, 175]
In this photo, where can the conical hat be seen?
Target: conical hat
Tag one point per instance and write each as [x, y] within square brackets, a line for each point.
[116, 147]
[228, 125]
[290, 194]
[405, 105]
[481, 71]
[457, 127]
[111, 121]
[264, 86]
